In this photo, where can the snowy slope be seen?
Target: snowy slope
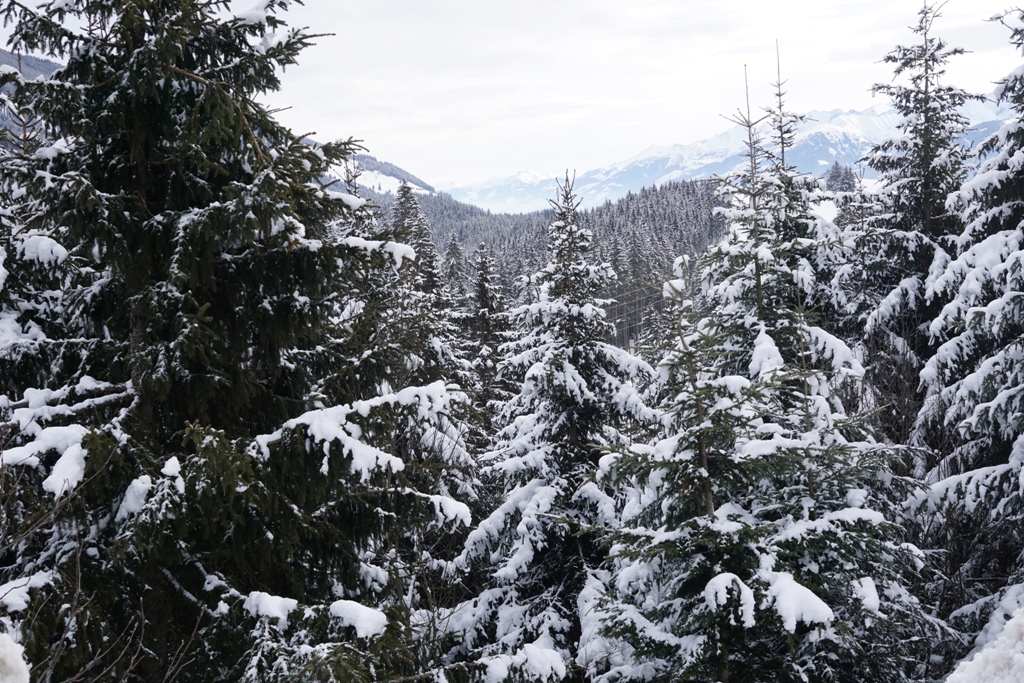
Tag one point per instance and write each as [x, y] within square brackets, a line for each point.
[1002, 661]
[382, 183]
[827, 137]
[383, 178]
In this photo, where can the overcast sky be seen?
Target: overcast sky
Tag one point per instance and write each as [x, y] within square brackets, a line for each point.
[457, 91]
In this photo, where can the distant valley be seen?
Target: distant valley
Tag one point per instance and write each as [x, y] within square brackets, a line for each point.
[825, 138]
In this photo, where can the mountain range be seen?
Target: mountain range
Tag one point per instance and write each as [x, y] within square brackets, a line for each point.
[825, 138]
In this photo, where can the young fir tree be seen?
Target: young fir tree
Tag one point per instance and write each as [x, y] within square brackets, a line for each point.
[424, 325]
[973, 384]
[409, 223]
[201, 468]
[539, 551]
[918, 169]
[489, 328]
[760, 541]
[22, 127]
[454, 269]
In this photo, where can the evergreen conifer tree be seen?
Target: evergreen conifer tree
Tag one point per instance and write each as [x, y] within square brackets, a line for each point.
[539, 550]
[840, 179]
[489, 329]
[410, 225]
[914, 233]
[761, 539]
[974, 403]
[454, 268]
[200, 465]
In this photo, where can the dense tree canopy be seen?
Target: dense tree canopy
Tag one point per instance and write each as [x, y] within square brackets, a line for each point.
[255, 427]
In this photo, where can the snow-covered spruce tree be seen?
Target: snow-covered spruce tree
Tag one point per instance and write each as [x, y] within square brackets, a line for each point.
[415, 341]
[198, 461]
[408, 221]
[488, 329]
[914, 233]
[974, 382]
[539, 551]
[853, 208]
[840, 179]
[761, 541]
[420, 328]
[850, 263]
[453, 267]
[458, 300]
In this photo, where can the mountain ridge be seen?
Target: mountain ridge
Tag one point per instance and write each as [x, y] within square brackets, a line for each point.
[827, 136]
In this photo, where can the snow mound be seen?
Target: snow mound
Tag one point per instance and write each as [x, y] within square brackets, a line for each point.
[14, 595]
[134, 497]
[260, 604]
[1000, 662]
[13, 668]
[367, 621]
[795, 602]
[723, 588]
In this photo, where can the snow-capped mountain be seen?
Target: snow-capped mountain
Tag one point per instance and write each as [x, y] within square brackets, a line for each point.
[383, 178]
[826, 137]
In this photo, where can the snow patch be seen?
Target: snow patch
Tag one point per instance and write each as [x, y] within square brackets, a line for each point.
[1000, 662]
[59, 439]
[719, 591]
[172, 467]
[42, 249]
[351, 201]
[766, 356]
[856, 498]
[794, 602]
[134, 497]
[255, 16]
[538, 663]
[867, 593]
[260, 604]
[14, 594]
[68, 471]
[13, 668]
[399, 252]
[368, 622]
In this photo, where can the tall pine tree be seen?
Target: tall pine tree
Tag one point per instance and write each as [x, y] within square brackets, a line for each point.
[914, 232]
[202, 474]
[974, 405]
[760, 540]
[539, 551]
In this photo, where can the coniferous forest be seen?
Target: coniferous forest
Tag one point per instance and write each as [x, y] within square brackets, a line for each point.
[258, 425]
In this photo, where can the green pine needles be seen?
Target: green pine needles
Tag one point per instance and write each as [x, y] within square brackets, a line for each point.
[200, 481]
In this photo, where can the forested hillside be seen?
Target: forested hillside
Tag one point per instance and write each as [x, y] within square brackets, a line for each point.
[257, 424]
[640, 236]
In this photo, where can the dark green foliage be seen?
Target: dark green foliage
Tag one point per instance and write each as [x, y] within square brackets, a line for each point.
[537, 552]
[973, 413]
[760, 537]
[488, 326]
[840, 179]
[409, 225]
[207, 447]
[911, 232]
